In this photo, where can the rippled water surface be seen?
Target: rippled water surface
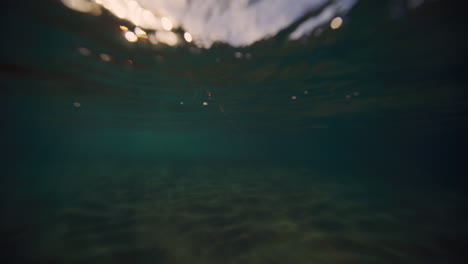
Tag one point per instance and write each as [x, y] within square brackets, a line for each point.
[344, 146]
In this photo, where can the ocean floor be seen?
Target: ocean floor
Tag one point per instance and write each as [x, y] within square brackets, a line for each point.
[179, 213]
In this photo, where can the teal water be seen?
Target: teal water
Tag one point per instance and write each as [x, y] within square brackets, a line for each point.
[365, 165]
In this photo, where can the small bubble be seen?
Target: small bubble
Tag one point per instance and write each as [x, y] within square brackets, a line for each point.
[238, 54]
[248, 55]
[293, 97]
[348, 96]
[205, 103]
[306, 92]
[76, 104]
[105, 57]
[356, 93]
[181, 102]
[84, 51]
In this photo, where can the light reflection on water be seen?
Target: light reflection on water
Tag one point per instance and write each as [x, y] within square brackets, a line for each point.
[238, 23]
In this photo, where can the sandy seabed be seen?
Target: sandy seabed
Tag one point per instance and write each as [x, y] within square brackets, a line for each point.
[173, 214]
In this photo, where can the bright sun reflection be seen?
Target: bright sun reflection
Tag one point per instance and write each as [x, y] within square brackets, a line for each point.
[130, 36]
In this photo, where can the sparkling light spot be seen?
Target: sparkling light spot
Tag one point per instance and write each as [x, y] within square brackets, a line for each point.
[306, 92]
[182, 102]
[105, 57]
[140, 33]
[84, 51]
[123, 28]
[336, 23]
[293, 97]
[166, 23]
[130, 36]
[187, 37]
[205, 103]
[238, 54]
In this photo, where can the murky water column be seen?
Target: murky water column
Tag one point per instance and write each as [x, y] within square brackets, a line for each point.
[233, 132]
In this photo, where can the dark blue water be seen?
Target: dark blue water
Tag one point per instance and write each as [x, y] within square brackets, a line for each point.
[365, 165]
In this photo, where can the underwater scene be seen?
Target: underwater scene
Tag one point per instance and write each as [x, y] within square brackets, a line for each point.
[237, 132]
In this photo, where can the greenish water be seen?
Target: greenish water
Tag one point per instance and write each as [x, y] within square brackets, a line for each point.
[365, 165]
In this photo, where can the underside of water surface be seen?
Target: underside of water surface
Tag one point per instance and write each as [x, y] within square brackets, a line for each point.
[345, 143]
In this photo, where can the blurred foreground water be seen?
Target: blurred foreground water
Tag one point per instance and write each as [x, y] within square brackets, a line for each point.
[345, 146]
